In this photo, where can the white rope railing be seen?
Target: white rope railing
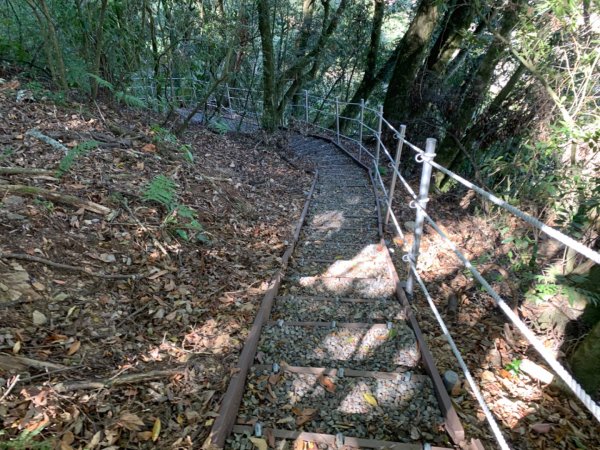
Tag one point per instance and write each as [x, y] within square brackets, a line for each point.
[419, 203]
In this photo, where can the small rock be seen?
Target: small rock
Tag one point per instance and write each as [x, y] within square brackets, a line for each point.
[487, 376]
[60, 297]
[108, 258]
[414, 433]
[39, 318]
[452, 382]
[13, 201]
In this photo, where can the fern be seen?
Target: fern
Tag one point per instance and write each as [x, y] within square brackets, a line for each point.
[130, 100]
[69, 159]
[101, 81]
[162, 190]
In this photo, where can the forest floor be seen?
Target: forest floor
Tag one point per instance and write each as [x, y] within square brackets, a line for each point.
[110, 362]
[105, 362]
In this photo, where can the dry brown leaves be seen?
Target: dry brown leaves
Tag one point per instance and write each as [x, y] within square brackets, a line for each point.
[192, 312]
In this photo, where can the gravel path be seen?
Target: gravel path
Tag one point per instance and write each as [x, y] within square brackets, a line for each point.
[337, 309]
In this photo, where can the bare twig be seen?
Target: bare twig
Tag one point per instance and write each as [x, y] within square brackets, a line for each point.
[25, 257]
[48, 140]
[24, 171]
[119, 381]
[14, 380]
[12, 362]
[55, 196]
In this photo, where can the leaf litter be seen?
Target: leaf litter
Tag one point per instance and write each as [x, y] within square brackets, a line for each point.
[103, 362]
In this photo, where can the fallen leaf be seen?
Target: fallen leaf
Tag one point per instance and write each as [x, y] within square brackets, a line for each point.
[130, 421]
[274, 378]
[541, 428]
[370, 399]
[73, 348]
[259, 443]
[17, 347]
[327, 383]
[149, 148]
[270, 437]
[144, 436]
[156, 430]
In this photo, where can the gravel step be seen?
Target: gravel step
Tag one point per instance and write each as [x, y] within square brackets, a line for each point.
[335, 250]
[349, 236]
[338, 286]
[402, 409]
[304, 309]
[373, 347]
[348, 198]
[366, 210]
[357, 267]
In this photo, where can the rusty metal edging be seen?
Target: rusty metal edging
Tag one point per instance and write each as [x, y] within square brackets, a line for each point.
[231, 401]
[330, 439]
[451, 419]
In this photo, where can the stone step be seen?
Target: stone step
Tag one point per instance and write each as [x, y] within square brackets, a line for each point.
[356, 267]
[398, 407]
[350, 345]
[302, 309]
[335, 250]
[338, 286]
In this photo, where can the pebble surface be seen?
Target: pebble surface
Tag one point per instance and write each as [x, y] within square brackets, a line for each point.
[339, 257]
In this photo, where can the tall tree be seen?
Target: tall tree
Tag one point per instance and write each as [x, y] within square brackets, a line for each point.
[411, 53]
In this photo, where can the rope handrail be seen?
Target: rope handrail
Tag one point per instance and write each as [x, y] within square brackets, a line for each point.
[585, 398]
[419, 202]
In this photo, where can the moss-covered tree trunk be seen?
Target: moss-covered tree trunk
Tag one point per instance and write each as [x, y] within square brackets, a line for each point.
[411, 54]
[585, 361]
[369, 80]
[269, 119]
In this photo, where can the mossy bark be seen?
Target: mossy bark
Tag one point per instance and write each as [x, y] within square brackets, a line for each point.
[585, 361]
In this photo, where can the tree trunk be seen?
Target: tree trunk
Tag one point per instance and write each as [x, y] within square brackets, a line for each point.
[270, 119]
[98, 49]
[368, 81]
[448, 153]
[455, 28]
[411, 54]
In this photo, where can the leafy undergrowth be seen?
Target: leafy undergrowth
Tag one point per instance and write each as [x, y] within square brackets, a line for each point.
[530, 413]
[89, 357]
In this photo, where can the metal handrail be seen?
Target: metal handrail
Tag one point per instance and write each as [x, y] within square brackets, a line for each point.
[426, 157]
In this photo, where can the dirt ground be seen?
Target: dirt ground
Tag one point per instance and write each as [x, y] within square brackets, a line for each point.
[133, 344]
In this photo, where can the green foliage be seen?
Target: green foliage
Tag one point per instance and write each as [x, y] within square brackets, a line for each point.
[186, 151]
[130, 100]
[26, 441]
[6, 153]
[514, 367]
[181, 219]
[69, 159]
[163, 191]
[382, 170]
[162, 135]
[219, 126]
[573, 286]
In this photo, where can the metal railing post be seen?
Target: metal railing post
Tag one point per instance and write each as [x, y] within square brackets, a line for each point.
[228, 98]
[421, 204]
[337, 119]
[360, 132]
[378, 146]
[394, 175]
[306, 115]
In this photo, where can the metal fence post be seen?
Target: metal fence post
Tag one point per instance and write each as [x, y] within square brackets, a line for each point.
[228, 98]
[421, 204]
[306, 105]
[360, 132]
[394, 174]
[378, 146]
[337, 118]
